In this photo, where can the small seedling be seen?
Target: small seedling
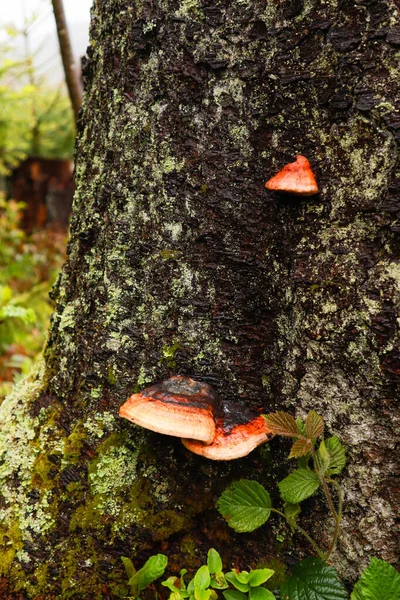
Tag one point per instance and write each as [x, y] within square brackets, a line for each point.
[246, 505]
[141, 579]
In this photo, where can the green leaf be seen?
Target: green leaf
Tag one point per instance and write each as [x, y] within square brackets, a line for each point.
[259, 576]
[129, 568]
[246, 505]
[243, 576]
[234, 595]
[170, 584]
[300, 448]
[323, 458]
[151, 570]
[260, 593]
[301, 426]
[214, 561]
[299, 485]
[282, 423]
[314, 425]
[337, 455]
[239, 585]
[291, 511]
[379, 581]
[202, 594]
[313, 579]
[219, 582]
[202, 578]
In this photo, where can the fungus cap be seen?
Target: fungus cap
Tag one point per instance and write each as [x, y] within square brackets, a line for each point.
[179, 406]
[235, 436]
[295, 178]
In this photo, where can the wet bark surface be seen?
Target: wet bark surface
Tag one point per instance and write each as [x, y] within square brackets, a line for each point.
[180, 262]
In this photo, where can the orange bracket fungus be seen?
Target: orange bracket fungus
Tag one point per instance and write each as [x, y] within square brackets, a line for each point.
[295, 178]
[185, 408]
[178, 406]
[237, 434]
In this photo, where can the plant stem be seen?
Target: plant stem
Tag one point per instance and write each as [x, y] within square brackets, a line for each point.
[301, 530]
[338, 517]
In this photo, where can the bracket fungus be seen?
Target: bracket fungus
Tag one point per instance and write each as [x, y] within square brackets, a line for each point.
[237, 434]
[179, 406]
[185, 408]
[295, 178]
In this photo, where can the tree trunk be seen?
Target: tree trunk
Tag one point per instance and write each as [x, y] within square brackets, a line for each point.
[181, 262]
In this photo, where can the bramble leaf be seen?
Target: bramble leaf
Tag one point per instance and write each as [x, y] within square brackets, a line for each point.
[298, 486]
[314, 425]
[246, 505]
[282, 423]
[300, 448]
[313, 578]
[337, 455]
[379, 580]
[323, 458]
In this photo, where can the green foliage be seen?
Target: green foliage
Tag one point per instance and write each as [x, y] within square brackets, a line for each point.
[299, 485]
[336, 456]
[379, 581]
[246, 505]
[28, 267]
[313, 578]
[210, 577]
[35, 119]
[141, 579]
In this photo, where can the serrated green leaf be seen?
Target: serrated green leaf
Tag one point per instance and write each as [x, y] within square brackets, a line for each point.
[298, 486]
[260, 593]
[202, 578]
[214, 561]
[259, 576]
[337, 454]
[234, 595]
[301, 426]
[282, 423]
[323, 458]
[245, 505]
[314, 425]
[129, 568]
[313, 579]
[379, 581]
[301, 447]
[239, 585]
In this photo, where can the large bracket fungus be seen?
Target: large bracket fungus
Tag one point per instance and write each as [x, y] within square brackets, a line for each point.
[179, 406]
[295, 178]
[185, 408]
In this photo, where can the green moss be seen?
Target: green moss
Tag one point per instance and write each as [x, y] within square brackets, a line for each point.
[73, 444]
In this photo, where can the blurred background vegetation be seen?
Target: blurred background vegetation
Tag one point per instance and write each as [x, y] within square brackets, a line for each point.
[37, 131]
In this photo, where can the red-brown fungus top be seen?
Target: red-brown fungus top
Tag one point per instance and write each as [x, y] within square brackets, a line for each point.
[179, 406]
[236, 435]
[295, 178]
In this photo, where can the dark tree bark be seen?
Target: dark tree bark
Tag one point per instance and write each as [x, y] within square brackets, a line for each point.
[181, 262]
[68, 61]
